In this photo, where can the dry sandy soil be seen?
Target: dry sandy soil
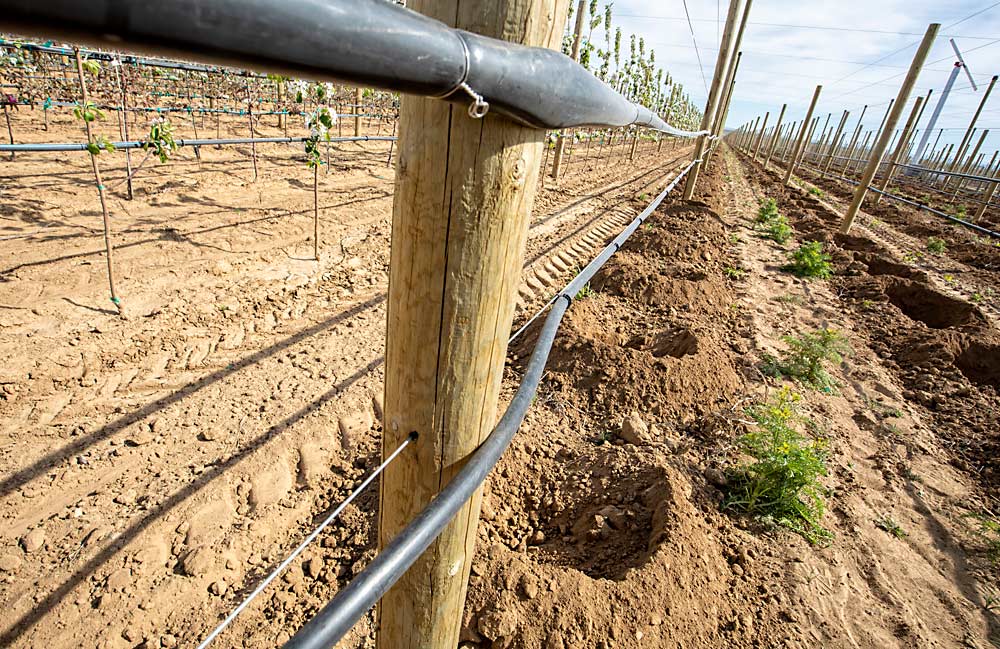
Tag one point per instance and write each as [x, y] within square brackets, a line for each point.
[153, 469]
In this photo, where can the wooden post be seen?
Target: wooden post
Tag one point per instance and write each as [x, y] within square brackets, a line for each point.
[854, 139]
[108, 248]
[988, 193]
[10, 130]
[835, 144]
[725, 104]
[972, 125]
[904, 94]
[357, 112]
[463, 198]
[730, 85]
[749, 134]
[900, 148]
[121, 79]
[557, 154]
[316, 212]
[776, 136]
[969, 165]
[802, 134]
[253, 145]
[760, 138]
[708, 118]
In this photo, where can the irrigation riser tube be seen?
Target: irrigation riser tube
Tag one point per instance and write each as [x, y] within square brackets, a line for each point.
[342, 613]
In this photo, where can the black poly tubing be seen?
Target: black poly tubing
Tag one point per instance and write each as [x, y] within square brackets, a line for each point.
[921, 206]
[366, 42]
[138, 144]
[343, 611]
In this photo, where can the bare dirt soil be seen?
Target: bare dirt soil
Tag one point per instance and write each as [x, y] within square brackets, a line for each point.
[596, 538]
[153, 469]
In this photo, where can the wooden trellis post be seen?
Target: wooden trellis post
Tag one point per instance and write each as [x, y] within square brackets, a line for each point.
[890, 169]
[802, 135]
[357, 112]
[718, 80]
[557, 154]
[776, 136]
[463, 197]
[883, 141]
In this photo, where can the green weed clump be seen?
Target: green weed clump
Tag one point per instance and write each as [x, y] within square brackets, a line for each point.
[806, 356]
[936, 245]
[988, 531]
[809, 260]
[816, 191]
[768, 210]
[780, 481]
[771, 223]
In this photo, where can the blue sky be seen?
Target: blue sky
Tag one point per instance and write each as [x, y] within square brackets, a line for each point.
[841, 51]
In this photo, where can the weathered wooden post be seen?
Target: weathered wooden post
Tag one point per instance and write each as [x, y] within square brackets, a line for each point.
[760, 138]
[904, 94]
[557, 154]
[714, 93]
[988, 193]
[463, 198]
[901, 147]
[357, 112]
[802, 134]
[776, 136]
[835, 144]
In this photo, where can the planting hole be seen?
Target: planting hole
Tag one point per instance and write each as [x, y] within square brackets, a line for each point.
[936, 310]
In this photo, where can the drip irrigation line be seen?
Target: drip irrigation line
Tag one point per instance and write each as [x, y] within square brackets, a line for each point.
[340, 614]
[985, 179]
[305, 543]
[139, 144]
[917, 204]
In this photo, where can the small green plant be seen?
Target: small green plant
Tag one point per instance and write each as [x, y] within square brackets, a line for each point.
[734, 273]
[948, 278]
[888, 524]
[781, 481]
[961, 213]
[867, 305]
[584, 292]
[807, 354]
[643, 196]
[778, 230]
[91, 66]
[88, 112]
[936, 245]
[767, 211]
[98, 144]
[734, 238]
[816, 191]
[161, 139]
[913, 257]
[987, 530]
[319, 123]
[809, 261]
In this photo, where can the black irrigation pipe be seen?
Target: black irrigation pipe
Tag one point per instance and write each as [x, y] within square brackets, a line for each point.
[917, 204]
[340, 614]
[372, 43]
[984, 179]
[138, 144]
